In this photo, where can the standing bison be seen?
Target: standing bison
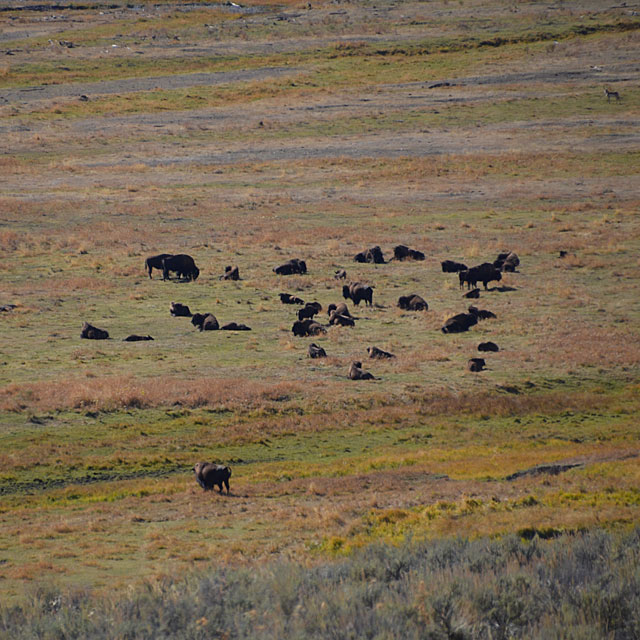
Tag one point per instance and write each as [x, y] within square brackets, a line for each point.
[358, 292]
[484, 273]
[182, 264]
[209, 475]
[155, 262]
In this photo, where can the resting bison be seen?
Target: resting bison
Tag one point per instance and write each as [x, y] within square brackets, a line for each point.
[374, 352]
[286, 298]
[482, 314]
[307, 327]
[506, 261]
[208, 475]
[135, 338]
[413, 303]
[340, 274]
[474, 293]
[450, 266]
[234, 326]
[488, 346]
[356, 372]
[340, 308]
[373, 255]
[205, 321]
[230, 273]
[484, 273]
[179, 310]
[155, 262]
[291, 266]
[342, 320]
[309, 310]
[93, 333]
[316, 352]
[476, 364]
[460, 322]
[182, 264]
[358, 292]
[401, 252]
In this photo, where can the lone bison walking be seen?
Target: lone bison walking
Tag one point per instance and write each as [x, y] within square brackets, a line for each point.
[209, 475]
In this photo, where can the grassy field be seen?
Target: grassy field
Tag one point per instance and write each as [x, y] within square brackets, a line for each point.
[247, 136]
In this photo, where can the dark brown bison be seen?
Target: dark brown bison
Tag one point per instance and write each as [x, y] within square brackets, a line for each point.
[155, 262]
[307, 327]
[230, 273]
[450, 266]
[482, 314]
[460, 322]
[488, 346]
[484, 273]
[357, 292]
[234, 326]
[209, 475]
[476, 364]
[287, 298]
[341, 320]
[373, 255]
[89, 332]
[340, 274]
[474, 293]
[179, 310]
[182, 265]
[316, 352]
[291, 267]
[309, 310]
[356, 372]
[340, 308]
[413, 302]
[205, 321]
[402, 252]
[506, 261]
[374, 352]
[136, 338]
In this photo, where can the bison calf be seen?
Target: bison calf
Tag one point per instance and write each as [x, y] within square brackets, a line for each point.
[208, 475]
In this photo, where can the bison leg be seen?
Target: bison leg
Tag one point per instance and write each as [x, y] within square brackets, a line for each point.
[226, 484]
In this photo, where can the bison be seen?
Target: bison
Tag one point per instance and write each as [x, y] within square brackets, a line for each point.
[476, 364]
[209, 475]
[506, 261]
[136, 338]
[460, 322]
[341, 319]
[402, 252]
[287, 298]
[316, 352]
[484, 273]
[373, 255]
[358, 292]
[234, 326]
[291, 267]
[488, 346]
[474, 293]
[309, 310]
[183, 265]
[89, 332]
[179, 310]
[450, 266]
[340, 308]
[374, 352]
[340, 274]
[356, 372]
[205, 321]
[230, 273]
[413, 302]
[155, 262]
[307, 327]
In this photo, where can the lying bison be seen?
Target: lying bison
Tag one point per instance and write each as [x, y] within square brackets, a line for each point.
[482, 314]
[373, 255]
[315, 351]
[341, 320]
[182, 265]
[340, 308]
[205, 321]
[234, 326]
[484, 273]
[476, 364]
[340, 274]
[209, 475]
[402, 252]
[413, 302]
[357, 292]
[460, 322]
[450, 266]
[291, 267]
[179, 310]
[506, 261]
[287, 298]
[374, 352]
[155, 262]
[137, 338]
[230, 273]
[356, 372]
[89, 332]
[307, 327]
[488, 346]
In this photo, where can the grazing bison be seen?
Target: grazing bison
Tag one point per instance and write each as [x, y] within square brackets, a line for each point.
[484, 273]
[476, 364]
[356, 372]
[316, 352]
[136, 338]
[309, 310]
[374, 352]
[474, 293]
[460, 322]
[89, 332]
[291, 267]
[307, 327]
[506, 261]
[342, 320]
[230, 273]
[234, 326]
[450, 266]
[179, 310]
[287, 298]
[373, 255]
[208, 475]
[155, 262]
[358, 292]
[488, 346]
[205, 321]
[183, 265]
[401, 252]
[413, 303]
[340, 274]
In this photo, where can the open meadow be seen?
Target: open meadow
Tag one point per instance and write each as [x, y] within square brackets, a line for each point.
[246, 136]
